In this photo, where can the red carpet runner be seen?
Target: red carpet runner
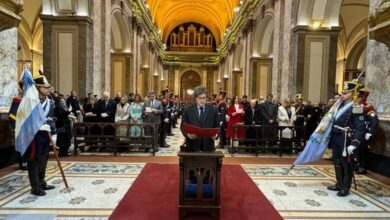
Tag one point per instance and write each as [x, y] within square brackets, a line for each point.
[155, 195]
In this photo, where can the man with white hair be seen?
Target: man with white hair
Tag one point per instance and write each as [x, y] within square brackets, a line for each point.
[106, 108]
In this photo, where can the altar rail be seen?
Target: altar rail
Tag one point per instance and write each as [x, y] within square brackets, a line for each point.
[268, 138]
[115, 135]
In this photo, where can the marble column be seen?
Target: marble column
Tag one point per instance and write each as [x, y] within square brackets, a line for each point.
[315, 57]
[8, 67]
[68, 53]
[277, 49]
[377, 81]
[9, 21]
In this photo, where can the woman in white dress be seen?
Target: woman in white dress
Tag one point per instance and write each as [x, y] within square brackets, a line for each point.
[286, 117]
[122, 116]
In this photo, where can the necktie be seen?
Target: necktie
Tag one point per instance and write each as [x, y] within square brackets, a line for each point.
[201, 113]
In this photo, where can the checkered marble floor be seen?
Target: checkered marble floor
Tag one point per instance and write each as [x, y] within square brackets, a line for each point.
[297, 194]
[301, 193]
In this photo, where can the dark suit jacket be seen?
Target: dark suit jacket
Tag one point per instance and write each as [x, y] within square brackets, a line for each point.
[72, 101]
[191, 116]
[268, 110]
[250, 116]
[110, 110]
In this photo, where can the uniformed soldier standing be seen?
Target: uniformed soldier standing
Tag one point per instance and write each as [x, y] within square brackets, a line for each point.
[222, 112]
[346, 137]
[38, 151]
[372, 122]
[301, 113]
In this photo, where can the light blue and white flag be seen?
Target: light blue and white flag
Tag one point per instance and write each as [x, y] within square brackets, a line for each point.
[30, 115]
[316, 145]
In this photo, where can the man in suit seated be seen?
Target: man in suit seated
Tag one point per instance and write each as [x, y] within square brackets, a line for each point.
[201, 115]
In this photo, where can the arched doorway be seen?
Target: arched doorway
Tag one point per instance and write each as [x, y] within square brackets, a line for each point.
[189, 81]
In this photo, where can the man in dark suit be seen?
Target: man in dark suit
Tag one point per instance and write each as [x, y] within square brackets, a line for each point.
[252, 117]
[73, 102]
[201, 115]
[269, 113]
[106, 109]
[152, 110]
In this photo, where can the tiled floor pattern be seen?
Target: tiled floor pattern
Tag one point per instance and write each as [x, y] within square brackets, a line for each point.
[97, 187]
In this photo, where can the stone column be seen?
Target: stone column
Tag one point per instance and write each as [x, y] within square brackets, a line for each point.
[68, 53]
[377, 81]
[9, 21]
[177, 81]
[315, 57]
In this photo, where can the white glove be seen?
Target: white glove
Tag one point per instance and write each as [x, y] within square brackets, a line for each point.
[367, 136]
[104, 115]
[221, 123]
[350, 149]
[54, 138]
[78, 111]
[166, 120]
[172, 114]
[45, 127]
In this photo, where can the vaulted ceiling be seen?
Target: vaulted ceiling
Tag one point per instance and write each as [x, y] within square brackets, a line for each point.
[214, 14]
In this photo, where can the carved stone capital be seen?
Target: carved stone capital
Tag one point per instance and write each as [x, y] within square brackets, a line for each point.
[9, 14]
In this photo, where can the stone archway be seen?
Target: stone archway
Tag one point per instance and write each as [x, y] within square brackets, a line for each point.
[189, 80]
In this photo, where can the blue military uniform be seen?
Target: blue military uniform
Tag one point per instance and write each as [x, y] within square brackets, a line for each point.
[348, 131]
[38, 152]
[372, 123]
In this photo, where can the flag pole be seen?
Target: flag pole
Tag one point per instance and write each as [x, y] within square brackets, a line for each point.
[58, 160]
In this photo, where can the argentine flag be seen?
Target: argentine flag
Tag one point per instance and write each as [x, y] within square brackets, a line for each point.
[30, 116]
[316, 145]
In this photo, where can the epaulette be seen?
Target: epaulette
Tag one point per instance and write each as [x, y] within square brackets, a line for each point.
[369, 108]
[16, 100]
[357, 109]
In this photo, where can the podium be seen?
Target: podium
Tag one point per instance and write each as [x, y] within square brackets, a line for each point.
[200, 183]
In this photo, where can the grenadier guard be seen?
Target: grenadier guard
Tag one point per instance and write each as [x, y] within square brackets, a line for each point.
[346, 137]
[301, 113]
[165, 116]
[38, 151]
[372, 122]
[222, 112]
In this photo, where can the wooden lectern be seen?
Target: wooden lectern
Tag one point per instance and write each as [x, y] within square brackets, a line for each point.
[200, 183]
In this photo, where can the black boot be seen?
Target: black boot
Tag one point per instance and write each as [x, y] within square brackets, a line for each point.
[45, 186]
[334, 188]
[339, 176]
[343, 192]
[37, 191]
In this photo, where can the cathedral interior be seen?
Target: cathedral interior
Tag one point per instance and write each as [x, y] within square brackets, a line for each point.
[243, 47]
